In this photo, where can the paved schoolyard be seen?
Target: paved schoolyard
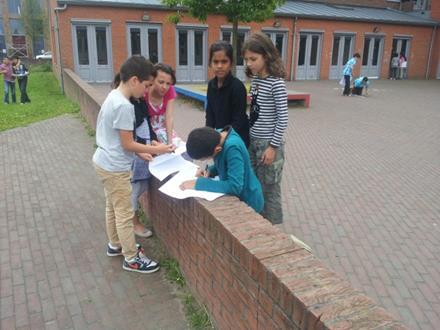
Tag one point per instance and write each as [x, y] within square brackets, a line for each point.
[54, 272]
[361, 186]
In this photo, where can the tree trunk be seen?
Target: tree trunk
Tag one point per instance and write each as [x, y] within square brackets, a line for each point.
[234, 45]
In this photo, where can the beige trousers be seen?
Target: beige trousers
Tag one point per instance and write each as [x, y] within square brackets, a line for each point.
[118, 210]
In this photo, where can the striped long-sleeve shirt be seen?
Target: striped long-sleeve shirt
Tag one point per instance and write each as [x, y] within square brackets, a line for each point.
[271, 97]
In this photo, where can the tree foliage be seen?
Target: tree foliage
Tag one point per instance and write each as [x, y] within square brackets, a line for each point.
[234, 10]
[33, 20]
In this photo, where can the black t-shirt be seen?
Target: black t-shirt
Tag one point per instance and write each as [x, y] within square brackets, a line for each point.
[141, 113]
[227, 106]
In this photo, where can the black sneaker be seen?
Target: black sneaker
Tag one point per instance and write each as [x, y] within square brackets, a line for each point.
[118, 252]
[141, 264]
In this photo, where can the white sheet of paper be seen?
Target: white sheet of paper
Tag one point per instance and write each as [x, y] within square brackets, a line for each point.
[164, 165]
[172, 187]
[180, 146]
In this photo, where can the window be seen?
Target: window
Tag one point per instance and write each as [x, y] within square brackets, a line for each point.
[279, 43]
[101, 45]
[135, 38]
[366, 51]
[302, 50]
[16, 26]
[14, 7]
[198, 47]
[279, 40]
[314, 50]
[83, 47]
[183, 47]
[347, 48]
[335, 52]
[2, 32]
[153, 45]
[376, 51]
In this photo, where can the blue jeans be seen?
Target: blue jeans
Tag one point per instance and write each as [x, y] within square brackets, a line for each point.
[9, 85]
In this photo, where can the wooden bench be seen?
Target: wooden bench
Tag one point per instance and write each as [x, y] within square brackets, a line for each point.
[196, 94]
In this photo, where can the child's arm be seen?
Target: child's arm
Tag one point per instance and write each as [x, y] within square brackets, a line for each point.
[129, 144]
[209, 114]
[239, 105]
[169, 120]
[233, 185]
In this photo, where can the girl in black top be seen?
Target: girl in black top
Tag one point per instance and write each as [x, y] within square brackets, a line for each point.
[226, 94]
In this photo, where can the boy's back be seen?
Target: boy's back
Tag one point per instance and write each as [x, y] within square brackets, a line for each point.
[235, 172]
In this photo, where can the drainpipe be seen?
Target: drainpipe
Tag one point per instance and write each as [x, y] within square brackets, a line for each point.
[428, 66]
[57, 27]
[292, 62]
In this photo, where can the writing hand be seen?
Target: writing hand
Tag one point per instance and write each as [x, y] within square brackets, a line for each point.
[190, 184]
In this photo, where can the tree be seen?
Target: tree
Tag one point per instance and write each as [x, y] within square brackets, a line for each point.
[33, 19]
[234, 10]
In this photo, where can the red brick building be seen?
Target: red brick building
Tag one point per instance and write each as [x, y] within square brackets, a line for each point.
[315, 38]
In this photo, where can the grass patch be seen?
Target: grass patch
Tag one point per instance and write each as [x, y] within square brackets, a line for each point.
[47, 100]
[196, 314]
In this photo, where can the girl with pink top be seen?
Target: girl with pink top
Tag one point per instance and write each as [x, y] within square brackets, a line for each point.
[160, 100]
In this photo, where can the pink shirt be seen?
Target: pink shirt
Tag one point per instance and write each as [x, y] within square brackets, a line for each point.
[8, 74]
[170, 95]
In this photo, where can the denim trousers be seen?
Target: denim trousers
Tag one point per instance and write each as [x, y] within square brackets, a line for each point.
[9, 85]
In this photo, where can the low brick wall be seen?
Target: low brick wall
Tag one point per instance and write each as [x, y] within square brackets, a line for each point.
[248, 273]
[85, 95]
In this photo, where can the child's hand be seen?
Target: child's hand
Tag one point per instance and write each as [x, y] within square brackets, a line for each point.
[190, 184]
[204, 173]
[145, 156]
[268, 156]
[164, 148]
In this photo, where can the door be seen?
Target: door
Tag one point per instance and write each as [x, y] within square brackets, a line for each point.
[240, 67]
[144, 39]
[309, 55]
[401, 45]
[372, 56]
[279, 40]
[342, 50]
[92, 55]
[191, 55]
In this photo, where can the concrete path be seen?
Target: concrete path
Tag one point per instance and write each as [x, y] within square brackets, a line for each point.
[362, 187]
[54, 273]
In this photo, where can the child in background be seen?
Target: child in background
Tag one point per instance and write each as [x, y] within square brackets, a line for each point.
[359, 85]
[113, 159]
[231, 164]
[394, 66]
[226, 94]
[347, 72]
[160, 99]
[21, 72]
[268, 119]
[403, 64]
[9, 80]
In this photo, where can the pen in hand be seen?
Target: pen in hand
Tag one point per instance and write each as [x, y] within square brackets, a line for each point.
[206, 173]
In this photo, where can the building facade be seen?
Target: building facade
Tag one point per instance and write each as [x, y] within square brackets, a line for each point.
[14, 39]
[314, 38]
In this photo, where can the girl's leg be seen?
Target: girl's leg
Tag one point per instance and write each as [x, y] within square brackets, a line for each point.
[270, 179]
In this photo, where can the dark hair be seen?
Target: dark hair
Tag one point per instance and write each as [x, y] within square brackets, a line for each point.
[136, 66]
[166, 69]
[365, 79]
[116, 81]
[403, 55]
[221, 45]
[201, 142]
[357, 55]
[261, 44]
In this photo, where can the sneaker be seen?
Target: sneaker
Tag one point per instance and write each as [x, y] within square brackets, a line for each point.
[141, 264]
[111, 252]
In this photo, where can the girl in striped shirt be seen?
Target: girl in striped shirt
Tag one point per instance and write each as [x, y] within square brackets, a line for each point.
[268, 119]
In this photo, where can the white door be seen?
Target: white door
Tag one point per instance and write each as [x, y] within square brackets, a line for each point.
[144, 39]
[240, 67]
[92, 55]
[342, 50]
[191, 55]
[279, 40]
[372, 56]
[309, 54]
